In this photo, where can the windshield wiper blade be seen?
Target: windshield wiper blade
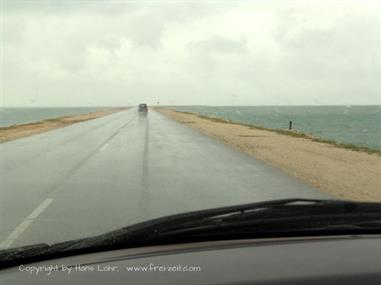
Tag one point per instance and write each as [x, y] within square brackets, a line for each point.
[276, 214]
[29, 250]
[151, 230]
[264, 219]
[261, 219]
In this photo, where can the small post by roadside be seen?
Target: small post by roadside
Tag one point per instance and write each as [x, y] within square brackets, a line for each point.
[290, 125]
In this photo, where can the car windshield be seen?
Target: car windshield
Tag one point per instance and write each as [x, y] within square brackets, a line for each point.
[115, 113]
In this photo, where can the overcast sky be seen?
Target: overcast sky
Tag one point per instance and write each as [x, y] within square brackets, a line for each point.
[70, 53]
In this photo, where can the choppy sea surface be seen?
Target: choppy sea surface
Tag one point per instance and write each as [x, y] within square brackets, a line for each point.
[358, 125]
[17, 116]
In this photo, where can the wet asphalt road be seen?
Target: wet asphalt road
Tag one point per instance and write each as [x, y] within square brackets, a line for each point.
[103, 174]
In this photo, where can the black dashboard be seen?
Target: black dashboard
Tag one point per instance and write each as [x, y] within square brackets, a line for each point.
[318, 260]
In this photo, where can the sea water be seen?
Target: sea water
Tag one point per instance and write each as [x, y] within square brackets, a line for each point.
[358, 125]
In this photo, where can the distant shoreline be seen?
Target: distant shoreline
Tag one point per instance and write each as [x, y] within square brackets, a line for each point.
[344, 171]
[13, 132]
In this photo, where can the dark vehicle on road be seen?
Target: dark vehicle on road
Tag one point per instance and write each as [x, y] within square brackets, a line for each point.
[143, 108]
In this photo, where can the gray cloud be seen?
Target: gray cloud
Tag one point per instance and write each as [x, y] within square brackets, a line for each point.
[13, 30]
[220, 44]
[145, 31]
[114, 52]
[69, 7]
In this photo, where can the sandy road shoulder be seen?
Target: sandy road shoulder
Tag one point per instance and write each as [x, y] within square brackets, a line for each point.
[343, 173]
